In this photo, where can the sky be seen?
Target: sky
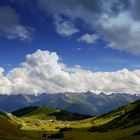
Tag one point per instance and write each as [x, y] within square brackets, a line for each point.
[69, 46]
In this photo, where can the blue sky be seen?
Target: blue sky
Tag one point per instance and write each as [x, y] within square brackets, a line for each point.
[69, 46]
[96, 56]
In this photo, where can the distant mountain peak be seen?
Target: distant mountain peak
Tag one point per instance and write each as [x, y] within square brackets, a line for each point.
[102, 93]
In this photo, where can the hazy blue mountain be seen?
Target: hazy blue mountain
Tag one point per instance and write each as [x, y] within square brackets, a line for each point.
[84, 103]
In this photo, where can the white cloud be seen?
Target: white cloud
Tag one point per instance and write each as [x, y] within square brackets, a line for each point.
[43, 72]
[122, 32]
[65, 28]
[10, 26]
[117, 21]
[5, 83]
[88, 38]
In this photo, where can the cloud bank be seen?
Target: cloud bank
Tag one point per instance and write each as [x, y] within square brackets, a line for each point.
[44, 72]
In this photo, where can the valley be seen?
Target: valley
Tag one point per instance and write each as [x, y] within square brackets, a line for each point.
[40, 122]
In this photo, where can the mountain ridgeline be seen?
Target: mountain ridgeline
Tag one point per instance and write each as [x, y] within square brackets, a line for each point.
[83, 103]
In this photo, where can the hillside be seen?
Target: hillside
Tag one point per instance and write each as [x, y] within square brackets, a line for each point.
[10, 129]
[44, 113]
[123, 117]
[6, 124]
[83, 103]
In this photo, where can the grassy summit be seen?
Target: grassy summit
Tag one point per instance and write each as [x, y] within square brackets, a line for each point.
[44, 113]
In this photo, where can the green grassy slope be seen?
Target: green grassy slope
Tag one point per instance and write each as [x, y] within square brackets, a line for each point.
[10, 129]
[123, 117]
[130, 116]
[6, 123]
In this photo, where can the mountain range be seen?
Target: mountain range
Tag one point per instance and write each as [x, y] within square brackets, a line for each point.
[83, 103]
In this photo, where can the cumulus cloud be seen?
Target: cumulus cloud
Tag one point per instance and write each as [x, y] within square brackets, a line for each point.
[10, 26]
[5, 83]
[88, 38]
[44, 72]
[116, 21]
